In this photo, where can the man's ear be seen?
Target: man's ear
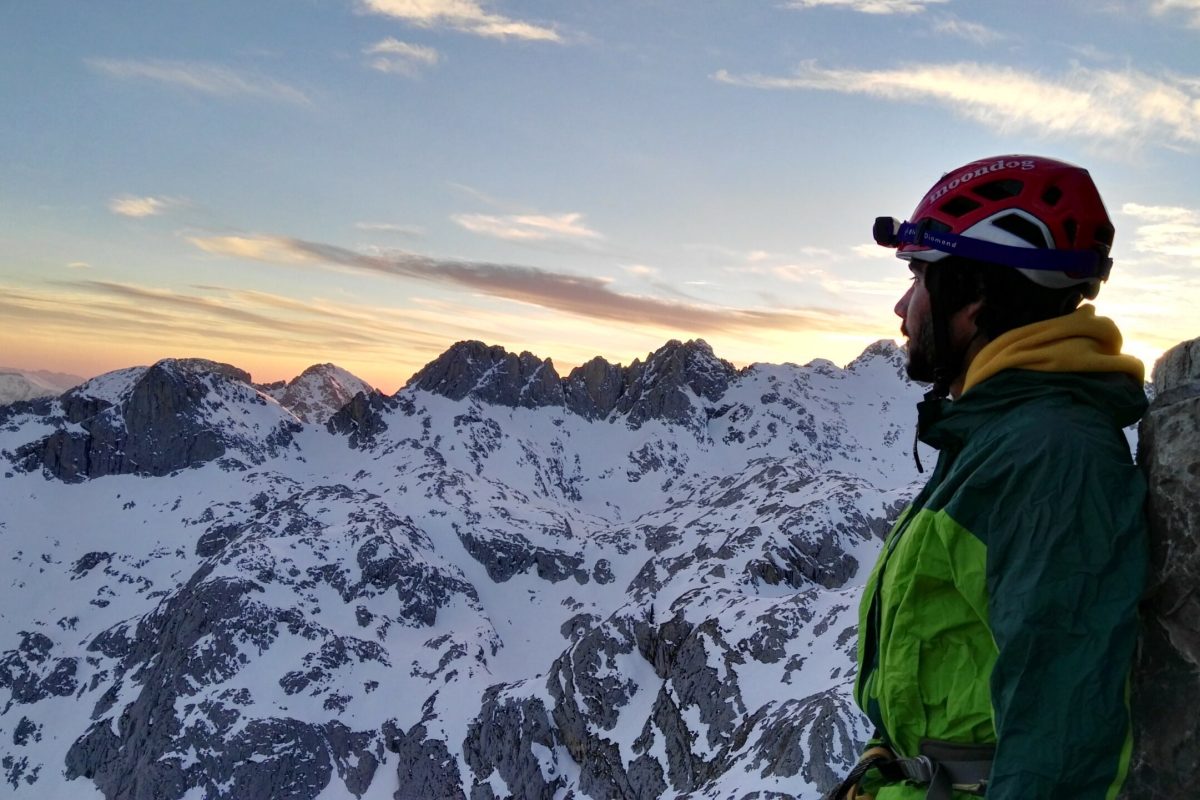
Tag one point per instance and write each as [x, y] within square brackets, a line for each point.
[965, 319]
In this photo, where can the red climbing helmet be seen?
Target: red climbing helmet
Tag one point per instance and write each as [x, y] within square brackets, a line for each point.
[1042, 217]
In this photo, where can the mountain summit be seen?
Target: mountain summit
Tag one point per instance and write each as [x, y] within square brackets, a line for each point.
[658, 388]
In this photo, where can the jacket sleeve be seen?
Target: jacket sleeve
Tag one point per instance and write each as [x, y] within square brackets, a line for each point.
[1066, 562]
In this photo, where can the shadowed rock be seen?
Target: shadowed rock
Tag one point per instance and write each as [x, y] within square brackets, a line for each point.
[491, 374]
[162, 424]
[1166, 691]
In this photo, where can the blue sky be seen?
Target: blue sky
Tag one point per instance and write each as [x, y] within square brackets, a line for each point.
[367, 181]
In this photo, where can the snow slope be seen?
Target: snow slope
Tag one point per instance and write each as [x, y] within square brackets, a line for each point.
[472, 589]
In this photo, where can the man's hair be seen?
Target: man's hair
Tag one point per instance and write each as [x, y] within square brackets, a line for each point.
[1010, 300]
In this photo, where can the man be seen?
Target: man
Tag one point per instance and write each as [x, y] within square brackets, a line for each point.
[997, 628]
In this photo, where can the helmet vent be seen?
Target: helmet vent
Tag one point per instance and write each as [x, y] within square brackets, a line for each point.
[959, 206]
[1000, 190]
[1052, 195]
[1023, 228]
[1072, 229]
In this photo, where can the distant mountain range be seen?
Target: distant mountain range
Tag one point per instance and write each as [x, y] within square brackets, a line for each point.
[23, 384]
[632, 581]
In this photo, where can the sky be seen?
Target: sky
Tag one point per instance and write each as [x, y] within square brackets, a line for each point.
[366, 182]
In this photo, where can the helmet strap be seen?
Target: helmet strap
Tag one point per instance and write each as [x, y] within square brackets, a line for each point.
[946, 362]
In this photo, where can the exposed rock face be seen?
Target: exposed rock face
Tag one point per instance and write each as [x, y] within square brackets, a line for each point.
[493, 375]
[661, 388]
[1166, 693]
[164, 422]
[364, 417]
[592, 389]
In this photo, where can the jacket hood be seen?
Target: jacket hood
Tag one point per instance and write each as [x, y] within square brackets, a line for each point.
[1077, 342]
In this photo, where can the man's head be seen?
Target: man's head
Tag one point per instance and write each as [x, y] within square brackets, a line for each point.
[994, 245]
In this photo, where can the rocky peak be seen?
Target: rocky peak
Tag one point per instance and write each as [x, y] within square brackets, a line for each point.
[662, 386]
[492, 375]
[153, 421]
[884, 354]
[319, 392]
[592, 389]
[201, 366]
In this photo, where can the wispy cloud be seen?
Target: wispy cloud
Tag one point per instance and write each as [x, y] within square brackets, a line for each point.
[390, 227]
[528, 227]
[263, 327]
[208, 79]
[254, 248]
[971, 31]
[400, 58]
[641, 270]
[130, 206]
[1115, 107]
[581, 296]
[467, 16]
[868, 6]
[1190, 8]
[79, 265]
[1169, 232]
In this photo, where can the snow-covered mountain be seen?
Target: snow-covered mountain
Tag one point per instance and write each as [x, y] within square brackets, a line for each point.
[633, 581]
[23, 384]
[317, 393]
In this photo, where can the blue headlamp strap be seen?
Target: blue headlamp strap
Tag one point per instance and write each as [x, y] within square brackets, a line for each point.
[890, 232]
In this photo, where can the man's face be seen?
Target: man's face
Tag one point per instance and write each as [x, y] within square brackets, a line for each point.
[916, 324]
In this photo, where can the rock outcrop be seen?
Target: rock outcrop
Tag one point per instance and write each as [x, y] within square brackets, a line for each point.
[162, 419]
[492, 375]
[318, 393]
[661, 387]
[1166, 691]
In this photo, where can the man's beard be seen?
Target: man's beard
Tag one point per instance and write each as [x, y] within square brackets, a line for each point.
[920, 364]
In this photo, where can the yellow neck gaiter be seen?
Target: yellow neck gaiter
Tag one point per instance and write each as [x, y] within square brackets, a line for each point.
[1077, 342]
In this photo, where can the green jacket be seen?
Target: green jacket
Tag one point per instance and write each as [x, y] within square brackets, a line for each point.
[1003, 606]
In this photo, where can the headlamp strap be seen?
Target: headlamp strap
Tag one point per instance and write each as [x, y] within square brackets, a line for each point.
[890, 232]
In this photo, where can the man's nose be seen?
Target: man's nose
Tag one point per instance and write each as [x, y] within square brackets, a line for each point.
[902, 304]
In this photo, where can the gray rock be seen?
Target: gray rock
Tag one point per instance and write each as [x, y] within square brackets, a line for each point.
[158, 428]
[31, 674]
[364, 418]
[504, 555]
[1166, 689]
[425, 767]
[501, 739]
[663, 386]
[592, 389]
[492, 375]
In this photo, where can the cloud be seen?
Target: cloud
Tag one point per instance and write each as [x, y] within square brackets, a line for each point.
[971, 31]
[528, 227]
[1191, 8]
[581, 296]
[868, 6]
[390, 227]
[255, 248]
[401, 58]
[1168, 232]
[209, 79]
[130, 206]
[1114, 107]
[467, 16]
[204, 318]
[641, 270]
[79, 265]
